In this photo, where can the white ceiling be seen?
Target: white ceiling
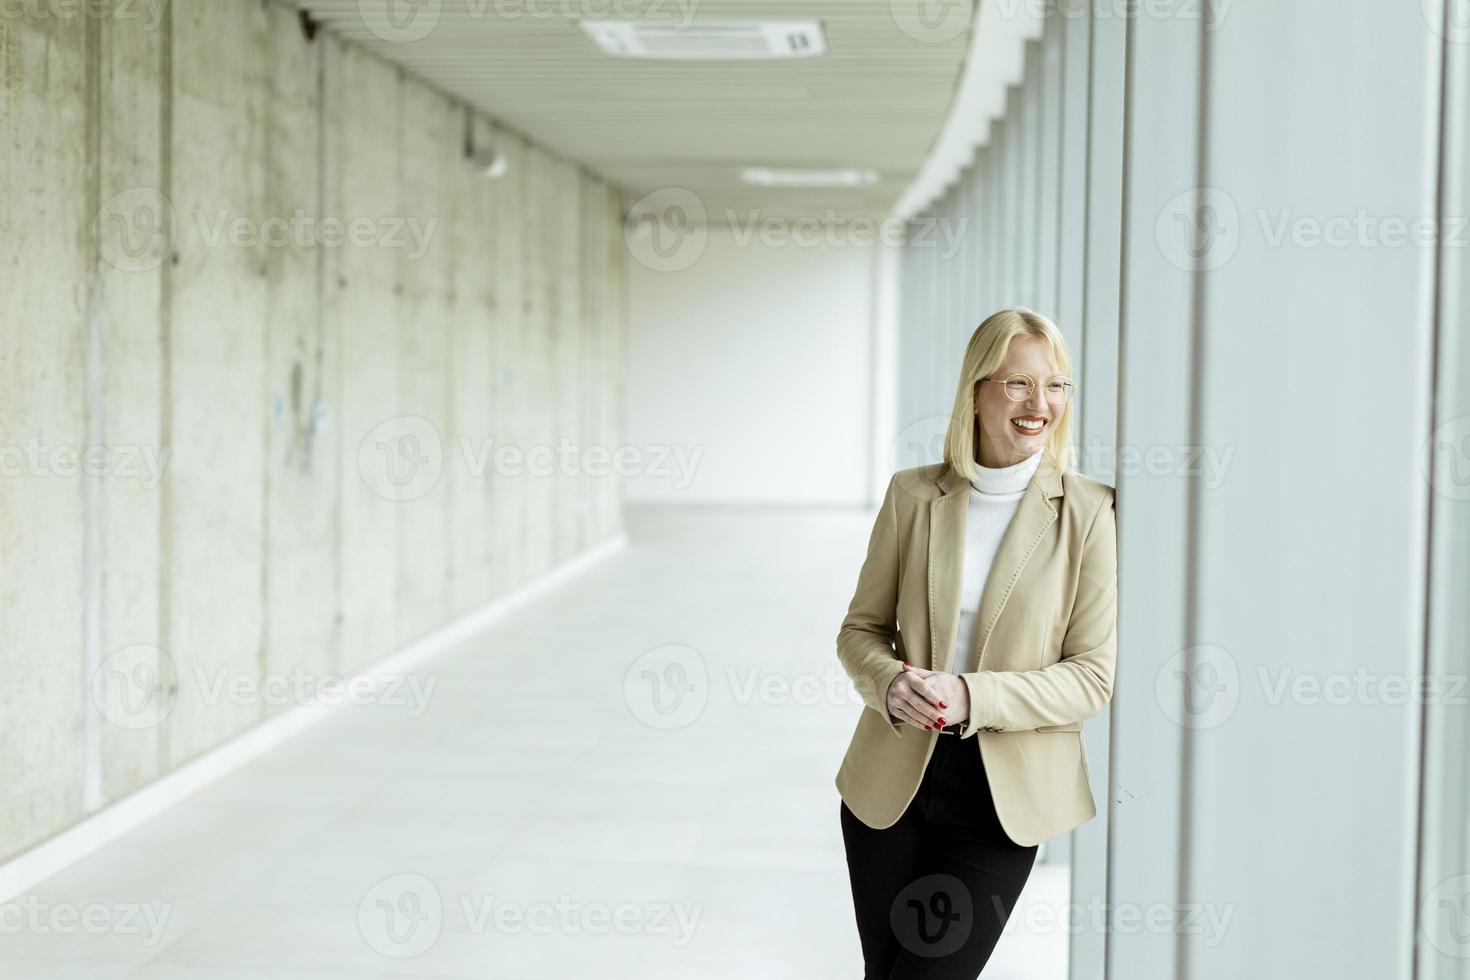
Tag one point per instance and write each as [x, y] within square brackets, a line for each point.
[877, 99]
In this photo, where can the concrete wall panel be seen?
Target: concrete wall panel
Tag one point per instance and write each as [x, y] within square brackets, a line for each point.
[130, 359]
[300, 475]
[43, 405]
[378, 455]
[428, 151]
[216, 349]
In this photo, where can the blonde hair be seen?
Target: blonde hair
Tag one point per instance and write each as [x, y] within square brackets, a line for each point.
[983, 354]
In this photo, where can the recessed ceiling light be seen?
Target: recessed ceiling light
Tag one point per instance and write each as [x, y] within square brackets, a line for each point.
[708, 40]
[768, 177]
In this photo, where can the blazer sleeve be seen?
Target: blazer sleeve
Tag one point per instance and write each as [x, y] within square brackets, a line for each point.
[1080, 684]
[866, 642]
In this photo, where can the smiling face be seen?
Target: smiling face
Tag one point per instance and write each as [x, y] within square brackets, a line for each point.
[1003, 440]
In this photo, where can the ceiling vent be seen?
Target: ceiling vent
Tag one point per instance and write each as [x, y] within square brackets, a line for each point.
[712, 40]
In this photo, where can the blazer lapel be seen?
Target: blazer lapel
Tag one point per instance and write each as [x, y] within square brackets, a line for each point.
[947, 519]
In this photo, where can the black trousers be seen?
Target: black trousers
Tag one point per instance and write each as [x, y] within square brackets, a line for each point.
[933, 892]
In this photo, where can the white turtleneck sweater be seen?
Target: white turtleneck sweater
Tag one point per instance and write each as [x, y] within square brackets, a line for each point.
[994, 498]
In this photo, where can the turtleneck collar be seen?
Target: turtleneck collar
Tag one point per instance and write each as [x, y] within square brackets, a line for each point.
[1007, 479]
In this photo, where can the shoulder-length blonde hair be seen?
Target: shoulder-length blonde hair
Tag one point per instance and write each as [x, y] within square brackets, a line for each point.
[983, 354]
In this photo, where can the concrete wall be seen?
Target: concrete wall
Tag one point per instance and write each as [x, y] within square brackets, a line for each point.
[1260, 392]
[174, 299]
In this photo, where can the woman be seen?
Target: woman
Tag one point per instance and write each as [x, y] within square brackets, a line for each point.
[986, 607]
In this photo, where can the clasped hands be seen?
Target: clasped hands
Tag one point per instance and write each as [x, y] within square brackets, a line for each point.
[928, 699]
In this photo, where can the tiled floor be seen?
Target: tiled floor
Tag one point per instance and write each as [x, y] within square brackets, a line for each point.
[631, 777]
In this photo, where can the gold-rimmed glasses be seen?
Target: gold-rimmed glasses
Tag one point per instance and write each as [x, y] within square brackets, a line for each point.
[1018, 387]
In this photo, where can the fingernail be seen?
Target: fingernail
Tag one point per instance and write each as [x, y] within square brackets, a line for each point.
[941, 720]
[943, 705]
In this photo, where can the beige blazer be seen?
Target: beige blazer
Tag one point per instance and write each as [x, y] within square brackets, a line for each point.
[1046, 632]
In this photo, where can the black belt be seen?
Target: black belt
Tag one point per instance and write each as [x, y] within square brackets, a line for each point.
[954, 729]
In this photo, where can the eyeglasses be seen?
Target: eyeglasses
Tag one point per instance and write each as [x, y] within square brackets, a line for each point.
[1020, 385]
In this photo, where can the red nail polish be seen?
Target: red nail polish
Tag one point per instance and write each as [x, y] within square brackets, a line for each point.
[941, 720]
[943, 705]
